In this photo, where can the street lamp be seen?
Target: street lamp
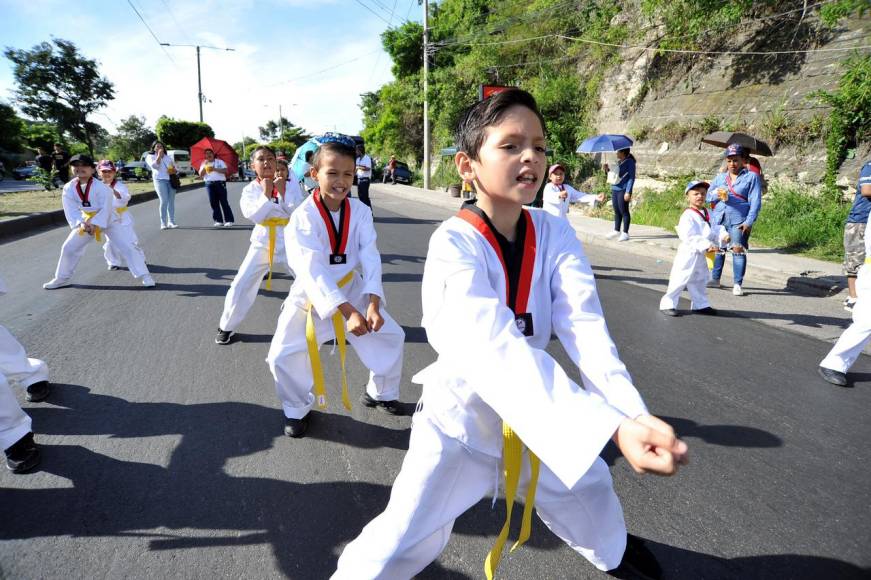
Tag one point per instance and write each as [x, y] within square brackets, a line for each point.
[199, 77]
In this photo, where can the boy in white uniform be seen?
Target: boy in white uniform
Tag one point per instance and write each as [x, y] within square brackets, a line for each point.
[501, 277]
[267, 201]
[121, 218]
[88, 207]
[331, 248]
[698, 236]
[557, 195]
[16, 437]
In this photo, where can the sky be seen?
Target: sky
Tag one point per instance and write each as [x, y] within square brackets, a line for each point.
[281, 51]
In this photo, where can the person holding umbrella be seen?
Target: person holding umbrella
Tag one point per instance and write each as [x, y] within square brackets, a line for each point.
[621, 194]
[739, 192]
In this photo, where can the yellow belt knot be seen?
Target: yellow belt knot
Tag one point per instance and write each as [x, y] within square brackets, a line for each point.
[88, 215]
[121, 210]
[315, 357]
[512, 457]
[273, 224]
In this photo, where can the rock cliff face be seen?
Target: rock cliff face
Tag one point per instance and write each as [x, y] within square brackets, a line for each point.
[749, 91]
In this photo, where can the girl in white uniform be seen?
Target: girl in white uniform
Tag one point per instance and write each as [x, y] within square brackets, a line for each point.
[331, 248]
[557, 194]
[502, 278]
[267, 201]
[87, 204]
[698, 236]
[121, 218]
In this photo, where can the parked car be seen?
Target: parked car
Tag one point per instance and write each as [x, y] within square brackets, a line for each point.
[402, 174]
[134, 171]
[21, 173]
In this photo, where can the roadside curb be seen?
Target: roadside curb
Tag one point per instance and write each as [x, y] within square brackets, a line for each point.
[34, 223]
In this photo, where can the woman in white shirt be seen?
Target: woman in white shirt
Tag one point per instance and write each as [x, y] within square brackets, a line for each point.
[161, 167]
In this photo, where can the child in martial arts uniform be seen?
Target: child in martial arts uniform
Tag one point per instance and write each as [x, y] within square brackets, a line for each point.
[699, 235]
[88, 208]
[16, 369]
[267, 201]
[120, 219]
[331, 248]
[502, 278]
[557, 195]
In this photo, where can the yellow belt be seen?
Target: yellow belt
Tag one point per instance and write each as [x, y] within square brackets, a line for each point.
[312, 342]
[868, 260]
[88, 215]
[121, 210]
[272, 224]
[512, 457]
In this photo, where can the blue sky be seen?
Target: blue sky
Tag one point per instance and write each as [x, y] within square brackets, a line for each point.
[281, 48]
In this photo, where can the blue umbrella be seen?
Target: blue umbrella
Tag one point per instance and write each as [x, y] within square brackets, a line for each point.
[605, 144]
[298, 160]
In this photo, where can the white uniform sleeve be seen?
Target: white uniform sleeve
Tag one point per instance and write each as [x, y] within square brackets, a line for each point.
[125, 193]
[71, 208]
[561, 423]
[304, 244]
[256, 206]
[105, 212]
[370, 259]
[574, 195]
[691, 233]
[580, 325]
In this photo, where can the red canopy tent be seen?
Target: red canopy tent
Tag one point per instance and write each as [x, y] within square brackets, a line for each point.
[223, 151]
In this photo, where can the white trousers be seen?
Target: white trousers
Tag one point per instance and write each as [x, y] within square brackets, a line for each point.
[246, 284]
[113, 255]
[440, 479]
[689, 271]
[381, 352]
[75, 245]
[15, 367]
[853, 340]
[14, 423]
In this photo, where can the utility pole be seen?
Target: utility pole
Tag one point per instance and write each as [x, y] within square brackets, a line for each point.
[200, 97]
[280, 123]
[426, 152]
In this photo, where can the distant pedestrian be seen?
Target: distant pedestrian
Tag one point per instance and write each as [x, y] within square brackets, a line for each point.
[621, 194]
[61, 162]
[308, 182]
[214, 174]
[854, 233]
[161, 168]
[739, 192]
[44, 160]
[390, 171]
[364, 175]
[557, 195]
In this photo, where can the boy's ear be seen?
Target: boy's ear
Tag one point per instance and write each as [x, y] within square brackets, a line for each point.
[313, 173]
[464, 166]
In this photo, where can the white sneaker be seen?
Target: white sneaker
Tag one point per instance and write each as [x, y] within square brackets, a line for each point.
[163, 226]
[148, 281]
[171, 226]
[56, 283]
[217, 224]
[613, 235]
[623, 237]
[228, 225]
[737, 290]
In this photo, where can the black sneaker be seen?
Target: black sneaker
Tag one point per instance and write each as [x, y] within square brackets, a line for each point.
[638, 562]
[391, 407]
[38, 391]
[23, 455]
[223, 336]
[669, 312]
[296, 427]
[708, 311]
[114, 268]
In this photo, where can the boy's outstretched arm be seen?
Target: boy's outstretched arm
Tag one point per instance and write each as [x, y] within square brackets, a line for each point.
[650, 445]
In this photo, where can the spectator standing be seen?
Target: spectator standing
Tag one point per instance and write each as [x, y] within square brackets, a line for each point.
[308, 182]
[161, 167]
[61, 162]
[44, 160]
[214, 174]
[621, 194]
[854, 233]
[364, 175]
[389, 171]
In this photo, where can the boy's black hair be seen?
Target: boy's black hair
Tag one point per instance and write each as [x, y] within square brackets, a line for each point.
[476, 119]
[333, 147]
[262, 148]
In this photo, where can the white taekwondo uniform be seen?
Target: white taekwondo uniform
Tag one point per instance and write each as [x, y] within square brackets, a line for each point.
[311, 249]
[16, 369]
[270, 215]
[121, 220]
[853, 340]
[690, 270]
[488, 372]
[553, 204]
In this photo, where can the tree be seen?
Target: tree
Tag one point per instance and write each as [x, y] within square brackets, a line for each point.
[181, 134]
[10, 129]
[287, 131]
[57, 83]
[404, 44]
[132, 139]
[245, 152]
[43, 135]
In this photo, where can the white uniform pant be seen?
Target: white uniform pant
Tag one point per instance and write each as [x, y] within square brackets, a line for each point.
[15, 367]
[110, 248]
[689, 271]
[14, 423]
[246, 284]
[853, 340]
[75, 245]
[381, 352]
[440, 479]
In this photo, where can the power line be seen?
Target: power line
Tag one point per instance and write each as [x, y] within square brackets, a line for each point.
[370, 10]
[323, 70]
[154, 36]
[378, 60]
[174, 19]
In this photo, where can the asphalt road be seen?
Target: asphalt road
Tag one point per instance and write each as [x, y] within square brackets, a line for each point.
[164, 455]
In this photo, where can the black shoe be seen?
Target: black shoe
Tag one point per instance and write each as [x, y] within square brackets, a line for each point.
[391, 407]
[638, 562]
[708, 311]
[296, 427]
[23, 455]
[223, 336]
[113, 268]
[38, 391]
[832, 376]
[669, 312]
